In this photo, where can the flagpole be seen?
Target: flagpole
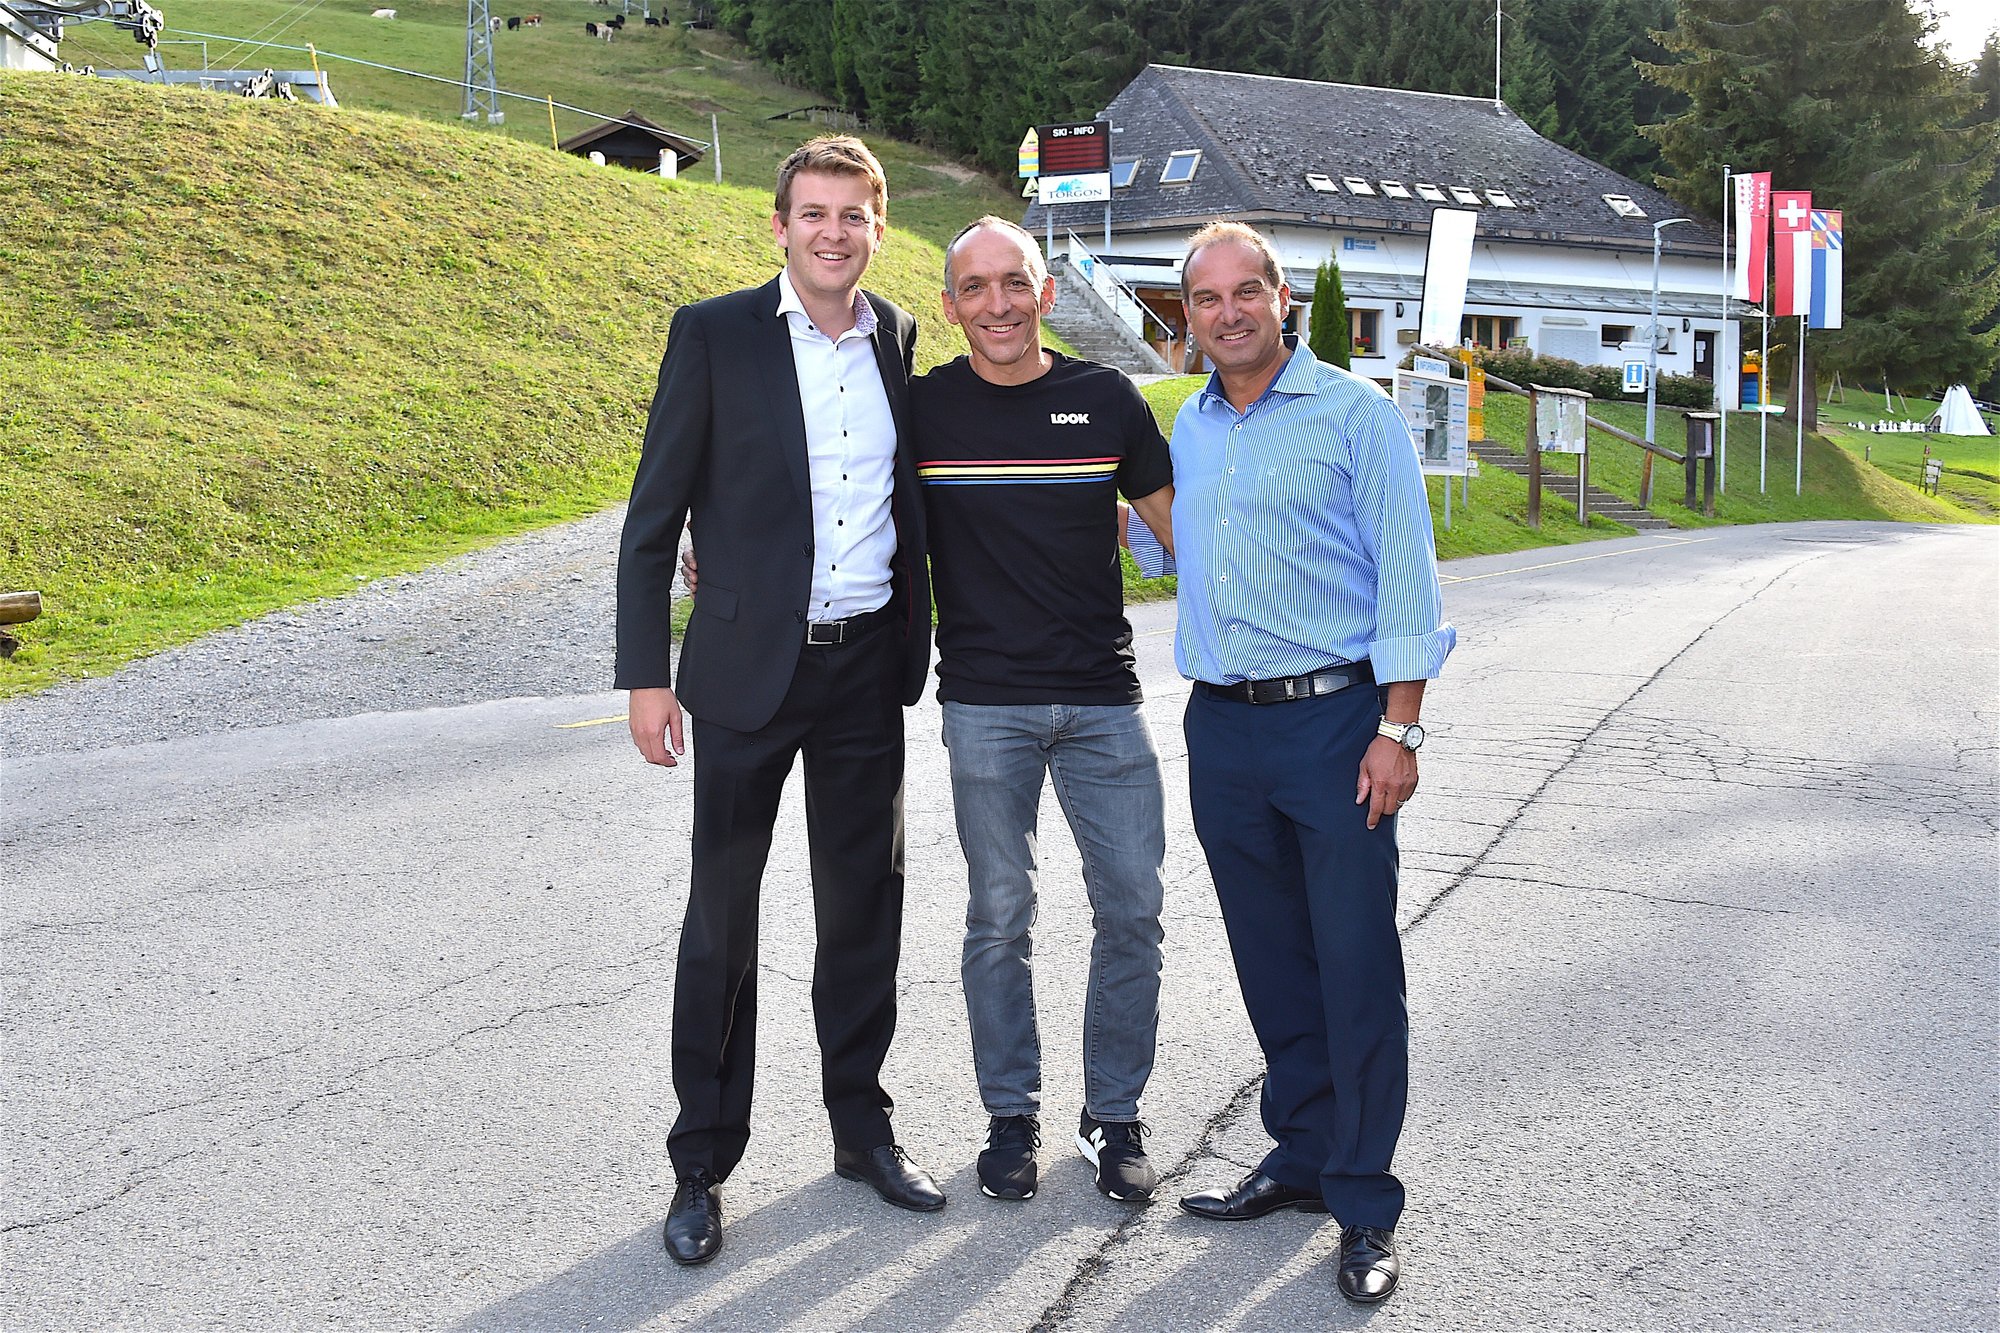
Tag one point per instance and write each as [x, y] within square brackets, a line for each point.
[1764, 397]
[1799, 459]
[1722, 343]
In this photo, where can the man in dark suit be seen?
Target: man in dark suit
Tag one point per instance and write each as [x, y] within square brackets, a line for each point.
[776, 434]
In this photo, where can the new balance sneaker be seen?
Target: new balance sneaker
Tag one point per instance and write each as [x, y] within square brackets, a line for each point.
[1007, 1163]
[1116, 1150]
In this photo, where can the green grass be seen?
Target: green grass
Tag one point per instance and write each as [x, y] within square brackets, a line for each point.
[1971, 476]
[676, 78]
[1837, 484]
[282, 347]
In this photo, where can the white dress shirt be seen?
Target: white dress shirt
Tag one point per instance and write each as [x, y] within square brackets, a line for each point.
[850, 457]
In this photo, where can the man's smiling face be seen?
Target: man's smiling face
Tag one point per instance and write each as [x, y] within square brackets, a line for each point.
[829, 233]
[997, 296]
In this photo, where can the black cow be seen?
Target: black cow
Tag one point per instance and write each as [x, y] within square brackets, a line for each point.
[512, 24]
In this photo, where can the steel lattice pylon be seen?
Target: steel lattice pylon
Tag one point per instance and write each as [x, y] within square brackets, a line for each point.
[482, 93]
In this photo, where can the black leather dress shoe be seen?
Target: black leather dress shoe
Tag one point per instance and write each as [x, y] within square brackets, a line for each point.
[892, 1173]
[1368, 1265]
[1253, 1196]
[694, 1223]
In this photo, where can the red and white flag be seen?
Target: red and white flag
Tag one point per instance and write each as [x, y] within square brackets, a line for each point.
[1791, 251]
[1753, 234]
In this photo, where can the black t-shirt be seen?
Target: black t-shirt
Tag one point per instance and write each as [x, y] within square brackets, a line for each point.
[1020, 487]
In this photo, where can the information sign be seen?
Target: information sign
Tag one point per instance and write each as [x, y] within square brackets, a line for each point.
[1434, 408]
[1030, 154]
[1074, 162]
[1635, 376]
[1559, 423]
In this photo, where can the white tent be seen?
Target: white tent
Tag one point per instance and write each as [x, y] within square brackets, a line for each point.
[1957, 416]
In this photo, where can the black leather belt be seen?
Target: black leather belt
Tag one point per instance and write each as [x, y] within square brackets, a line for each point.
[1327, 680]
[827, 633]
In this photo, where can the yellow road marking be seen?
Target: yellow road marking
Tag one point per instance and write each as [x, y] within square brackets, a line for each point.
[593, 722]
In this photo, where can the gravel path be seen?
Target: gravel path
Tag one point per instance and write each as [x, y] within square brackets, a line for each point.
[531, 616]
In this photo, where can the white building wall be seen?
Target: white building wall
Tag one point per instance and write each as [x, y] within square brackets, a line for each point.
[1530, 270]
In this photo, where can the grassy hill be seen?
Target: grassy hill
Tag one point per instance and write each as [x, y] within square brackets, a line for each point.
[255, 351]
[676, 78]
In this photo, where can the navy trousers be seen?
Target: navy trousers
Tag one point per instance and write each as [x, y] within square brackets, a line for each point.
[1308, 894]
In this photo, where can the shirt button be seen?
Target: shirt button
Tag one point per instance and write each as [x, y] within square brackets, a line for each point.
[1225, 522]
[1232, 472]
[1225, 578]
[1232, 629]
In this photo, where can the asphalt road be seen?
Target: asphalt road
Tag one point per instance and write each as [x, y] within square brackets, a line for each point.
[317, 1017]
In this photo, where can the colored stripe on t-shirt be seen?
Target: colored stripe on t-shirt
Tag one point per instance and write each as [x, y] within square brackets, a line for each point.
[1012, 471]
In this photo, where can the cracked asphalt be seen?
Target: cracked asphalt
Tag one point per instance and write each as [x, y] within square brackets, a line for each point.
[338, 951]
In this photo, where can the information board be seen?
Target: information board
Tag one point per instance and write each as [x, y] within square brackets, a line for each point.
[1434, 408]
[1074, 162]
[1559, 423]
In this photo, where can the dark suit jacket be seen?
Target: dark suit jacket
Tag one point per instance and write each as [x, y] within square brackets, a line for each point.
[726, 444]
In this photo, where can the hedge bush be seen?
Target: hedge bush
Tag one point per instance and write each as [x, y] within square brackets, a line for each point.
[1523, 367]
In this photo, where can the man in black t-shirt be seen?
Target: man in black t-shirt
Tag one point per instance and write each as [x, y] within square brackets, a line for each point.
[1022, 453]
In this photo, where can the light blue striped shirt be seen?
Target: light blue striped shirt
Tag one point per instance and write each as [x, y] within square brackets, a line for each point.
[1302, 533]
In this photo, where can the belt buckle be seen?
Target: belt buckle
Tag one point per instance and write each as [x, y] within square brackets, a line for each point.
[1292, 687]
[834, 630]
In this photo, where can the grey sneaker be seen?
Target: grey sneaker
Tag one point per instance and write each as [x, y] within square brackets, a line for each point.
[1007, 1163]
[1118, 1153]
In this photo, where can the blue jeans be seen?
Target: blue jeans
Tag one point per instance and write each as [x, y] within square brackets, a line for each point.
[1107, 779]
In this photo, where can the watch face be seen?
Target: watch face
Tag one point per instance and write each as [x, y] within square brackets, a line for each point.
[1413, 736]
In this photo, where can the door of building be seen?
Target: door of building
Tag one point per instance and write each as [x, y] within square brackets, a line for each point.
[1704, 355]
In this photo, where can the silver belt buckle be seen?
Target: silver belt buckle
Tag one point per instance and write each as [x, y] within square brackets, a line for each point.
[835, 632]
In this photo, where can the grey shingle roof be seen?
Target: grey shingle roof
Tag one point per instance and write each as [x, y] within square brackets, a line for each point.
[1260, 136]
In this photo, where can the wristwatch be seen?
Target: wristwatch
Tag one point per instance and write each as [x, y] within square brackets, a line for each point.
[1409, 735]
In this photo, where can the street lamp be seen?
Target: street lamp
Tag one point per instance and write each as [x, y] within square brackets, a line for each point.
[1653, 329]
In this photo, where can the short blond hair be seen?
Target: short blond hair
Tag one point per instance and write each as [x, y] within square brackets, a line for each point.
[1037, 267]
[1232, 233]
[833, 155]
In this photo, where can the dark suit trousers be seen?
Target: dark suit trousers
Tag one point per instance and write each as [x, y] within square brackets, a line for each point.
[1308, 895]
[844, 714]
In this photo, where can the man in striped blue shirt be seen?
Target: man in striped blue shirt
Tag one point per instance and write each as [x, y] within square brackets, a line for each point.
[1310, 619]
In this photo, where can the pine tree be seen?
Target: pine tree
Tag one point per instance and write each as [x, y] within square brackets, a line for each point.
[1843, 98]
[1985, 84]
[1330, 333]
[1528, 80]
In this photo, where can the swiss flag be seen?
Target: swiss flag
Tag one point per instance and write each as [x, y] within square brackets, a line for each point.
[1791, 251]
[1753, 234]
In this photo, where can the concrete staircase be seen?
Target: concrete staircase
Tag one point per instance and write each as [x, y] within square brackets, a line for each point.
[1559, 488]
[1088, 324]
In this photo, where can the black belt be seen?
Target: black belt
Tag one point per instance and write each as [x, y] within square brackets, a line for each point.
[1327, 680]
[827, 633]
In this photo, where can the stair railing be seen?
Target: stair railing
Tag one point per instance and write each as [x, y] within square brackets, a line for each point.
[1124, 302]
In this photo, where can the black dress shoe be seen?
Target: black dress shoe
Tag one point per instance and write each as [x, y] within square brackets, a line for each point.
[1254, 1195]
[694, 1223]
[1368, 1266]
[892, 1173]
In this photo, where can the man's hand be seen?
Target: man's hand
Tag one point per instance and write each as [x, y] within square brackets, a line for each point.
[1388, 779]
[655, 718]
[687, 569]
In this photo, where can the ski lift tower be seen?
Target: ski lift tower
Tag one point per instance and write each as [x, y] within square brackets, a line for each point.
[482, 93]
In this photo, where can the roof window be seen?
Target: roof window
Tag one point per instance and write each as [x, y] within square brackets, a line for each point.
[1430, 192]
[1622, 205]
[1395, 189]
[1501, 199]
[1355, 185]
[1465, 196]
[1324, 184]
[1180, 167]
[1123, 172]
